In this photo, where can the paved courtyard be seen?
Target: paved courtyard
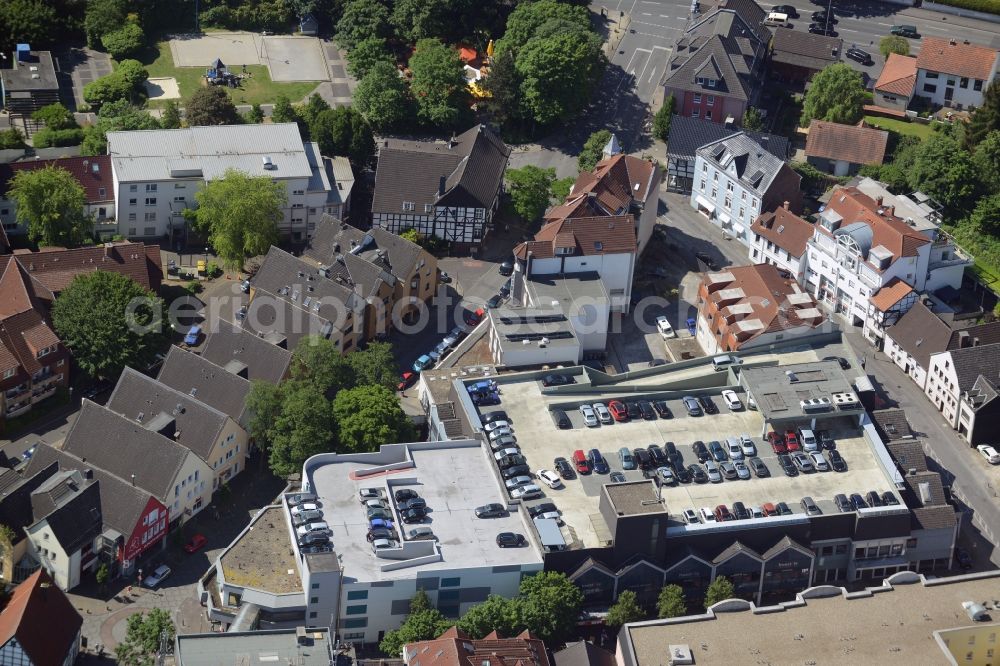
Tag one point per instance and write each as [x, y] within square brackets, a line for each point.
[234, 48]
[294, 59]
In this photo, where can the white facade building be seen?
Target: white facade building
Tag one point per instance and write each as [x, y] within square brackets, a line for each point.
[157, 173]
[954, 73]
[780, 238]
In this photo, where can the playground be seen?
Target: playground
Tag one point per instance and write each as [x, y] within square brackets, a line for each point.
[287, 58]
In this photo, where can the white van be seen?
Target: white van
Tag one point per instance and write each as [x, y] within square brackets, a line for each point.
[723, 361]
[776, 19]
[808, 440]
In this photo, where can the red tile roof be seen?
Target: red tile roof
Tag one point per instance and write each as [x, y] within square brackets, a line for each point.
[455, 648]
[42, 619]
[613, 234]
[955, 57]
[857, 145]
[785, 229]
[887, 230]
[891, 294]
[899, 75]
[24, 335]
[82, 168]
[609, 190]
[55, 268]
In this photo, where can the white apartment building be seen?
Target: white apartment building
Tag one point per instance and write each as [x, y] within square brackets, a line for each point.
[779, 238]
[157, 173]
[736, 180]
[866, 237]
[954, 73]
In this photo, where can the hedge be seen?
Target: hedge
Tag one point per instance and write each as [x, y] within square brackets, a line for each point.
[988, 6]
[50, 138]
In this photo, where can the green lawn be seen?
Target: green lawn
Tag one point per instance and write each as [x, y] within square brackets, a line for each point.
[918, 130]
[259, 89]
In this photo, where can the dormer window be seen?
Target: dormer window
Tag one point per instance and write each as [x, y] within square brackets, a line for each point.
[408, 205]
[710, 83]
[564, 250]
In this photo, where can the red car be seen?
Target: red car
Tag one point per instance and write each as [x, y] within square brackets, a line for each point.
[581, 462]
[791, 441]
[618, 410]
[473, 318]
[196, 543]
[777, 442]
[406, 381]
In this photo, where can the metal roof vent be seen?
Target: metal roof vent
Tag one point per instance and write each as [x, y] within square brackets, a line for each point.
[268, 163]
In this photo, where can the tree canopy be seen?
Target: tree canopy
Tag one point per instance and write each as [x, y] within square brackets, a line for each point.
[366, 54]
[945, 172]
[264, 405]
[438, 83]
[211, 105]
[171, 118]
[719, 589]
[836, 94]
[423, 623]
[986, 118]
[109, 321]
[125, 83]
[239, 214]
[344, 131]
[550, 605]
[374, 365]
[985, 218]
[593, 150]
[752, 120]
[625, 610]
[893, 44]
[495, 614]
[382, 97]
[103, 17]
[116, 116]
[144, 636]
[55, 116]
[526, 19]
[124, 42]
[303, 428]
[671, 602]
[661, 121]
[557, 73]
[369, 416]
[529, 189]
[50, 201]
[360, 20]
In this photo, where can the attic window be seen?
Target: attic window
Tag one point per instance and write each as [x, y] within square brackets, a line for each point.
[408, 205]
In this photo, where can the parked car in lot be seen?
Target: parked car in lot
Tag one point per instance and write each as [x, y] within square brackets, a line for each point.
[597, 462]
[783, 509]
[810, 507]
[858, 502]
[991, 455]
[492, 510]
[963, 558]
[819, 460]
[616, 477]
[511, 540]
[307, 517]
[646, 410]
[560, 419]
[664, 327]
[192, 335]
[557, 380]
[589, 416]
[581, 462]
[380, 533]
[299, 498]
[314, 539]
[734, 449]
[691, 405]
[504, 442]
[718, 453]
[697, 473]
[791, 441]
[603, 414]
[777, 442]
[550, 478]
[405, 494]
[618, 410]
[708, 405]
[740, 511]
[632, 408]
[691, 517]
[787, 466]
[423, 533]
[747, 446]
[837, 461]
[722, 513]
[681, 473]
[496, 415]
[662, 409]
[701, 451]
[665, 476]
[516, 470]
[503, 453]
[312, 506]
[153, 580]
[759, 468]
[382, 544]
[728, 470]
[320, 526]
[564, 468]
[657, 454]
[803, 462]
[643, 459]
[732, 400]
[843, 504]
[519, 480]
[888, 499]
[826, 440]
[626, 458]
[496, 425]
[742, 470]
[529, 491]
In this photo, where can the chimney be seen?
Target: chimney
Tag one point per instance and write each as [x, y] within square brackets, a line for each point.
[451, 141]
[878, 200]
[107, 249]
[787, 205]
[133, 480]
[88, 474]
[890, 211]
[442, 182]
[963, 339]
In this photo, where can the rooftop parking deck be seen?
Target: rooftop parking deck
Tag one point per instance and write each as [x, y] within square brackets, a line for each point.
[452, 477]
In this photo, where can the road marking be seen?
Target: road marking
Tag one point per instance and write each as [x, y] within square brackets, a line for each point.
[646, 14]
[656, 25]
[648, 58]
[848, 30]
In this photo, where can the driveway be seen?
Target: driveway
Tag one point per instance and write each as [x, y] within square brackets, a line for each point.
[76, 67]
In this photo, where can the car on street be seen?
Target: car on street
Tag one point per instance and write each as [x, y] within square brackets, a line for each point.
[506, 267]
[560, 419]
[550, 478]
[788, 10]
[603, 413]
[991, 455]
[662, 409]
[860, 56]
[511, 540]
[245, 286]
[444, 278]
[732, 400]
[822, 16]
[494, 302]
[822, 29]
[472, 318]
[837, 461]
[454, 336]
[787, 466]
[564, 468]
[904, 31]
[697, 473]
[741, 469]
[589, 416]
[504, 292]
[196, 543]
[557, 380]
[617, 477]
[192, 335]
[153, 580]
[758, 467]
[422, 363]
[618, 410]
[241, 313]
[718, 453]
[664, 327]
[691, 405]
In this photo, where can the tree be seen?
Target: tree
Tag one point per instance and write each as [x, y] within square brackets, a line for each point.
[719, 589]
[382, 97]
[144, 636]
[101, 576]
[503, 89]
[625, 610]
[304, 428]
[752, 120]
[420, 625]
[524, 22]
[495, 614]
[836, 94]
[254, 116]
[264, 405]
[986, 118]
[369, 416]
[893, 44]
[55, 117]
[50, 201]
[671, 602]
[239, 214]
[283, 111]
[550, 605]
[418, 19]
[317, 361]
[30, 21]
[529, 190]
[125, 83]
[593, 150]
[109, 321]
[115, 116]
[103, 17]
[366, 54]
[985, 218]
[987, 158]
[360, 20]
[343, 131]
[171, 118]
[124, 42]
[314, 106]
[375, 365]
[211, 105]
[559, 189]
[661, 121]
[438, 83]
[945, 172]
[11, 138]
[557, 73]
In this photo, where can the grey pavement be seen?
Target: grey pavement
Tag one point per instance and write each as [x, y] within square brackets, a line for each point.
[76, 68]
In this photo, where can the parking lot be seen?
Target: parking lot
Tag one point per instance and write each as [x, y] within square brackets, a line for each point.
[541, 442]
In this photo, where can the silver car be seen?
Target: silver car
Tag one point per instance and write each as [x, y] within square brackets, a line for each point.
[819, 460]
[741, 469]
[714, 475]
[602, 413]
[518, 481]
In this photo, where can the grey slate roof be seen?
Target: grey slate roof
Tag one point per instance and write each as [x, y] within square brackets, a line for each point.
[783, 544]
[920, 333]
[205, 381]
[891, 423]
[755, 167]
[15, 499]
[687, 135]
[472, 166]
[206, 152]
[122, 504]
[583, 653]
[908, 454]
[972, 362]
[387, 252]
[123, 447]
[71, 506]
[243, 353]
[803, 49]
[156, 406]
[734, 549]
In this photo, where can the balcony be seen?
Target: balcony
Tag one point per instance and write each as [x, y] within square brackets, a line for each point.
[946, 253]
[15, 392]
[18, 408]
[43, 392]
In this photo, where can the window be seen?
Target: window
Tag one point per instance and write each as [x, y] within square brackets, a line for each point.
[703, 186]
[7, 374]
[977, 85]
[131, 230]
[354, 623]
[312, 614]
[150, 187]
[150, 201]
[101, 192]
[298, 192]
[729, 186]
[695, 112]
[931, 75]
[181, 199]
[408, 205]
[314, 600]
[715, 176]
[451, 582]
[911, 543]
[697, 98]
[356, 595]
[742, 211]
[133, 202]
[298, 205]
[729, 201]
[964, 82]
[133, 188]
[930, 88]
[704, 167]
[178, 186]
[150, 217]
[715, 192]
[360, 609]
[149, 231]
[708, 114]
[711, 100]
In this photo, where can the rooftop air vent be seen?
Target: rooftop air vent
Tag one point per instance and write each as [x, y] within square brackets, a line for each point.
[268, 163]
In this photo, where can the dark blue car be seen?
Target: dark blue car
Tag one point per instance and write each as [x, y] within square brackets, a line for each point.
[597, 462]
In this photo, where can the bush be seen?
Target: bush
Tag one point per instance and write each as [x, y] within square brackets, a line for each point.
[193, 287]
[11, 138]
[812, 178]
[213, 270]
[988, 6]
[49, 138]
[255, 15]
[124, 42]
[123, 83]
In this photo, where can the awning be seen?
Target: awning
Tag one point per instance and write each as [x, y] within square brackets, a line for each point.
[705, 203]
[724, 217]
